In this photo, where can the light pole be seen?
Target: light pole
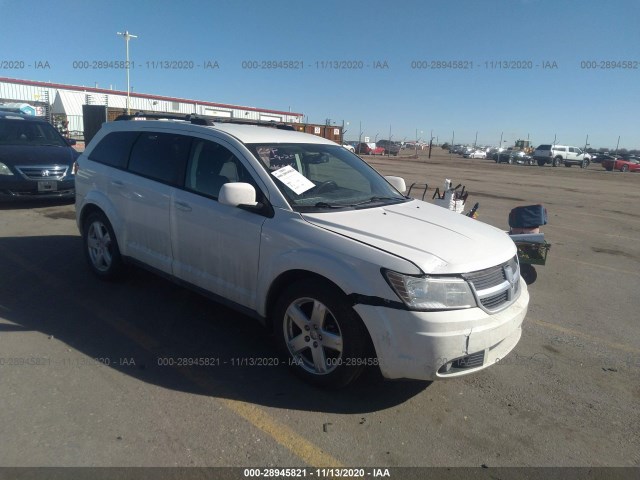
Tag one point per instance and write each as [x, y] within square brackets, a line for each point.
[127, 36]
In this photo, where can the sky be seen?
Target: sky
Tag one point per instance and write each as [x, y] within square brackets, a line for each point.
[454, 69]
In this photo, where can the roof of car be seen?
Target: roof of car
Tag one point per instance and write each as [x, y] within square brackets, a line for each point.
[19, 116]
[245, 132]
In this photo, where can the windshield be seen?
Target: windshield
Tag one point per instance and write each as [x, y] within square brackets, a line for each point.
[24, 132]
[316, 177]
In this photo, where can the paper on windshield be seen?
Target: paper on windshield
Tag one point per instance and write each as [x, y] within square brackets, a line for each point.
[293, 179]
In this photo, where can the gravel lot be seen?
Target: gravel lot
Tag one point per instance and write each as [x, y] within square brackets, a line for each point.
[82, 382]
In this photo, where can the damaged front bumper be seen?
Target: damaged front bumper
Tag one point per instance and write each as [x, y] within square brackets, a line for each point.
[433, 345]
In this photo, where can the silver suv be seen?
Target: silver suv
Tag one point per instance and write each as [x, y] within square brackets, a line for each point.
[561, 154]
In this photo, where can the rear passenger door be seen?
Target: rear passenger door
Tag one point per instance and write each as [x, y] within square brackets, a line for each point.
[215, 247]
[143, 193]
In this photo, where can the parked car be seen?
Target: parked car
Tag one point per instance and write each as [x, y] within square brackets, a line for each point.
[351, 148]
[389, 147]
[306, 237]
[369, 149]
[632, 164]
[503, 156]
[598, 158]
[561, 154]
[522, 158]
[478, 154]
[35, 160]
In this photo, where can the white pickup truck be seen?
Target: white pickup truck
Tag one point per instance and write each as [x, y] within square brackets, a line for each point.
[561, 154]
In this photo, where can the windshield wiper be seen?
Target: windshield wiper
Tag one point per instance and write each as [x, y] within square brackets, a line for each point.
[329, 205]
[377, 199]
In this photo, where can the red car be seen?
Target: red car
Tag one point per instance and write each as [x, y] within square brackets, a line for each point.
[369, 149]
[629, 165]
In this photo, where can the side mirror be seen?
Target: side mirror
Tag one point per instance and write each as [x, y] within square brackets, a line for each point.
[397, 183]
[243, 196]
[234, 194]
[70, 141]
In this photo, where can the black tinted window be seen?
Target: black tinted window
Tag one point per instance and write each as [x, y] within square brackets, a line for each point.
[29, 133]
[114, 149]
[160, 156]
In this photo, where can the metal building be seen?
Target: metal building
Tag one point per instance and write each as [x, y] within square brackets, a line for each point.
[62, 104]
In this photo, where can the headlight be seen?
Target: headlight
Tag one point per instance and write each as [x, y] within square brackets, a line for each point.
[431, 293]
[4, 170]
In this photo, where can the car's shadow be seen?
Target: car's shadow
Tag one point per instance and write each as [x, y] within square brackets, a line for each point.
[19, 204]
[143, 324]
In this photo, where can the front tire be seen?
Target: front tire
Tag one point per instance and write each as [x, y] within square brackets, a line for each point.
[101, 247]
[320, 332]
[624, 168]
[585, 163]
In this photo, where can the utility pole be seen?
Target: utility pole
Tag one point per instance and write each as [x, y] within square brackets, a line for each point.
[127, 36]
[430, 142]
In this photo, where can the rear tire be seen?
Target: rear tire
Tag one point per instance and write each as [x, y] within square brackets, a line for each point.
[542, 163]
[101, 247]
[556, 161]
[324, 338]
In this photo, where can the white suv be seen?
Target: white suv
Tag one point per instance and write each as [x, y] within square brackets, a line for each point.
[561, 154]
[305, 236]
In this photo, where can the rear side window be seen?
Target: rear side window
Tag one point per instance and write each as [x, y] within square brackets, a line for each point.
[211, 165]
[160, 156]
[114, 149]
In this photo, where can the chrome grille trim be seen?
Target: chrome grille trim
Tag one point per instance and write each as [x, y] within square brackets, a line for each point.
[42, 172]
[497, 287]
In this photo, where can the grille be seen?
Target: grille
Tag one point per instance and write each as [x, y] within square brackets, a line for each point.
[43, 172]
[496, 287]
[494, 301]
[488, 278]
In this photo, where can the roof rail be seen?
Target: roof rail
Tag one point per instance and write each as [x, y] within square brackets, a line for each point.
[204, 120]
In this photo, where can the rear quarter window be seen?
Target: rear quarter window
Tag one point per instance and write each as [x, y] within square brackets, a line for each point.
[114, 149]
[544, 147]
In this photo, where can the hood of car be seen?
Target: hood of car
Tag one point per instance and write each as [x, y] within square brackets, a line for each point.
[12, 155]
[435, 239]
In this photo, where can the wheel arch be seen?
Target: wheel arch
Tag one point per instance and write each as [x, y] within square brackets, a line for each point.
[97, 202]
[281, 282]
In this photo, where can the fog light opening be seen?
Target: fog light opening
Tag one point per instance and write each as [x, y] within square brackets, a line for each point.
[446, 367]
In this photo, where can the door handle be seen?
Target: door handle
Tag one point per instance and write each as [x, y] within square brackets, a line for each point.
[117, 183]
[185, 207]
